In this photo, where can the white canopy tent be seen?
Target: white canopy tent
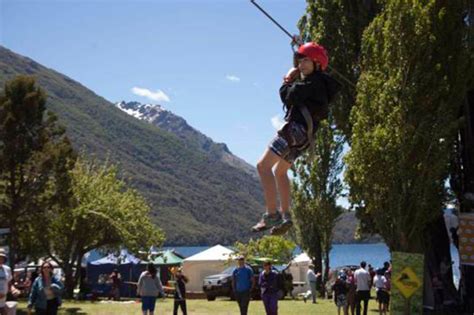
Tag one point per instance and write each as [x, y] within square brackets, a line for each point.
[298, 269]
[203, 264]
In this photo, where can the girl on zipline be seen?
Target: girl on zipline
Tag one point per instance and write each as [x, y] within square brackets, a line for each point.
[306, 93]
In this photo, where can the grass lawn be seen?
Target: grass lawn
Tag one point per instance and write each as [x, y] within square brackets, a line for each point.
[198, 307]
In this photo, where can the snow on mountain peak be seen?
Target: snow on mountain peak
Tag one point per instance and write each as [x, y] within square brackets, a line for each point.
[148, 112]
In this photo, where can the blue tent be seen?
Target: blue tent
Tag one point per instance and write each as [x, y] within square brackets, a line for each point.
[99, 270]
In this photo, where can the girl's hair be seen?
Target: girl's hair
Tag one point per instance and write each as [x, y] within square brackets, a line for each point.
[297, 56]
[50, 268]
[151, 269]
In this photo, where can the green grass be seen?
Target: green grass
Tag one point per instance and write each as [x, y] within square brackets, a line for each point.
[199, 307]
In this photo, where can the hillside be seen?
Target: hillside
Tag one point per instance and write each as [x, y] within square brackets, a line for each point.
[166, 120]
[195, 198]
[346, 228]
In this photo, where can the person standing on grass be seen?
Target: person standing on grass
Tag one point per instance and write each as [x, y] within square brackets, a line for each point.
[149, 287]
[242, 284]
[362, 280]
[45, 295]
[180, 292]
[340, 293]
[5, 278]
[268, 281]
[312, 279]
[351, 291]
[380, 284]
[115, 279]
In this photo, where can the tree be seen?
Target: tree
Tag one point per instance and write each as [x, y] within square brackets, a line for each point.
[413, 80]
[316, 188]
[32, 144]
[104, 212]
[338, 26]
[415, 72]
[273, 247]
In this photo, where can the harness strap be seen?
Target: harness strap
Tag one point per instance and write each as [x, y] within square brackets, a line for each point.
[309, 123]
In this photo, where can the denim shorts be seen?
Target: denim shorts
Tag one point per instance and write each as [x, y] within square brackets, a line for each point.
[148, 303]
[291, 141]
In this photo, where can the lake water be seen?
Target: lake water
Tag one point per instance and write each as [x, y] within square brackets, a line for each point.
[341, 254]
[345, 254]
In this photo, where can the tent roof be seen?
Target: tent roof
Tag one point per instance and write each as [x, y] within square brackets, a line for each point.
[216, 253]
[124, 258]
[303, 257]
[167, 257]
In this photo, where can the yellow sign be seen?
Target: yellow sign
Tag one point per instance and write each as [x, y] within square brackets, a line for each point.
[407, 282]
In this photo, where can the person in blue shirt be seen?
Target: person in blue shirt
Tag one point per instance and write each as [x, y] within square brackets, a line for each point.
[45, 294]
[242, 283]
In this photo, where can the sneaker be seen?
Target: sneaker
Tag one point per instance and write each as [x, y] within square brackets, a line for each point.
[268, 221]
[282, 228]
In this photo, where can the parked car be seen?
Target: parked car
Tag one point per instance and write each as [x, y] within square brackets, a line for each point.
[221, 284]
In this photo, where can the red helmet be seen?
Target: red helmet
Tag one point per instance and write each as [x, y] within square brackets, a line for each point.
[315, 52]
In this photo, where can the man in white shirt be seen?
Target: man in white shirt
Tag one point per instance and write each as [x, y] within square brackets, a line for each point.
[362, 279]
[5, 278]
[311, 277]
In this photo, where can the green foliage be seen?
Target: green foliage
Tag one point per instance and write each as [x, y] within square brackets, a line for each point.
[415, 74]
[101, 212]
[102, 204]
[184, 186]
[33, 151]
[316, 188]
[276, 248]
[338, 26]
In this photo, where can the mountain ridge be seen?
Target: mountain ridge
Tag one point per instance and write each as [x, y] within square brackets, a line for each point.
[157, 115]
[195, 199]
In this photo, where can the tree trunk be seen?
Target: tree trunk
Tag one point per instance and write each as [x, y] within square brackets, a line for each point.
[438, 263]
[69, 280]
[466, 185]
[13, 244]
[325, 276]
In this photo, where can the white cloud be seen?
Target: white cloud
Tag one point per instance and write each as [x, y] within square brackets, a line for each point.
[158, 96]
[277, 122]
[232, 78]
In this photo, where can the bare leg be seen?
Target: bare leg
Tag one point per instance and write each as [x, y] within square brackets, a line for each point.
[264, 167]
[283, 183]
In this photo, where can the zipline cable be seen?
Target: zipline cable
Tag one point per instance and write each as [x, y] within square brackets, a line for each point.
[297, 40]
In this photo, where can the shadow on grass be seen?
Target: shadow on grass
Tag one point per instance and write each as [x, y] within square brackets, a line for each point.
[62, 311]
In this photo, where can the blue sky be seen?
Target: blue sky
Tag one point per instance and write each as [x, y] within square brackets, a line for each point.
[217, 63]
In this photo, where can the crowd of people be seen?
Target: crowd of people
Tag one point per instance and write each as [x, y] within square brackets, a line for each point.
[352, 288]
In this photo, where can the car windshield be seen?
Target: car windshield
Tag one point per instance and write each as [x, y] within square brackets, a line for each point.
[228, 271]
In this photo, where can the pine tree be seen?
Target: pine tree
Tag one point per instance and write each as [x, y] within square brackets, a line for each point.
[316, 188]
[32, 146]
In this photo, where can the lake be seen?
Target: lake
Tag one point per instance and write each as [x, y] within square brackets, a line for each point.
[341, 254]
[345, 254]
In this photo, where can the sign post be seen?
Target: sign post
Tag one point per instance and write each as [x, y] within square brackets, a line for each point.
[407, 277]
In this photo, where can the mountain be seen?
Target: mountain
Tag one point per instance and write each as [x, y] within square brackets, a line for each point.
[166, 120]
[197, 196]
[345, 231]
